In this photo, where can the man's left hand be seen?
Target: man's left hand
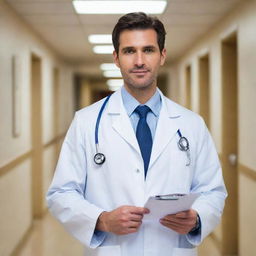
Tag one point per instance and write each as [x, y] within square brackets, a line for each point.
[181, 222]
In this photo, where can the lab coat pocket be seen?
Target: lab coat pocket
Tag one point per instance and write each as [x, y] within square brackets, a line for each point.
[184, 252]
[113, 250]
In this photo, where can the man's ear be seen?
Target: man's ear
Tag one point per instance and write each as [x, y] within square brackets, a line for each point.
[163, 57]
[116, 59]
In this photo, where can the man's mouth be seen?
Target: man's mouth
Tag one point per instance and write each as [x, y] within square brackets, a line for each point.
[139, 71]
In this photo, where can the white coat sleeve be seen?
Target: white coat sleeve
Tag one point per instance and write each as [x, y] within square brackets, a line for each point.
[208, 181]
[65, 196]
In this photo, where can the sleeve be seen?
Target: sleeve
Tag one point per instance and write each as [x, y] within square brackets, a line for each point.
[65, 196]
[208, 181]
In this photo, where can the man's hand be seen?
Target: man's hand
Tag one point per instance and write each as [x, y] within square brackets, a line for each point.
[181, 222]
[121, 221]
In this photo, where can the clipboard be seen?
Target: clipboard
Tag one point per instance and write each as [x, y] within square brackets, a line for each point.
[162, 205]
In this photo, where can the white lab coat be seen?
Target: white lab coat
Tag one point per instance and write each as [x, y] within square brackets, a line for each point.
[81, 190]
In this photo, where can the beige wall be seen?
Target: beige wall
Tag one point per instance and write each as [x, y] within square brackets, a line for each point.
[15, 172]
[15, 202]
[243, 21]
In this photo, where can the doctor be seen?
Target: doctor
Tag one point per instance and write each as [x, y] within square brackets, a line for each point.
[146, 145]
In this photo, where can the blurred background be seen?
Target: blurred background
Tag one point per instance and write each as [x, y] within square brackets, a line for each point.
[55, 58]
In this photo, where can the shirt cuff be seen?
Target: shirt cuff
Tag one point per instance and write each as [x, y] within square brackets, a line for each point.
[194, 236]
[98, 238]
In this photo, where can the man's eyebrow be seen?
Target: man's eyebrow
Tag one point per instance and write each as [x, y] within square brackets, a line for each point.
[132, 47]
[127, 48]
[150, 46]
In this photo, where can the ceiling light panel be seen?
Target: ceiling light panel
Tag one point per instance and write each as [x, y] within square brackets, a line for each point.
[112, 73]
[100, 39]
[119, 7]
[103, 49]
[115, 82]
[108, 66]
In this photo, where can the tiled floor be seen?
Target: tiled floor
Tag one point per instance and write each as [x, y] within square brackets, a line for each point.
[48, 238]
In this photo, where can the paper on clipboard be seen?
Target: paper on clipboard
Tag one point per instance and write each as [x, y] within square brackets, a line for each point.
[160, 206]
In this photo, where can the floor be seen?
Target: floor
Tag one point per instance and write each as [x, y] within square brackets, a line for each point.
[48, 238]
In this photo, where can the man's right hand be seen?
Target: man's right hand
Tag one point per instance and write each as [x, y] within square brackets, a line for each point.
[121, 221]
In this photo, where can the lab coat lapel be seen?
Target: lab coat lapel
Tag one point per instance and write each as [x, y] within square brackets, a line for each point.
[120, 120]
[167, 127]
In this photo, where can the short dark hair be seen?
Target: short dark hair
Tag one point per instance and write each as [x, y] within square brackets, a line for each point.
[138, 20]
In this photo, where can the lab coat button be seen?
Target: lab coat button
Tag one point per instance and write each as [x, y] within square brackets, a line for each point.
[137, 170]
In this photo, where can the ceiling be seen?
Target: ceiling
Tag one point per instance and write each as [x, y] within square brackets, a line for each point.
[57, 23]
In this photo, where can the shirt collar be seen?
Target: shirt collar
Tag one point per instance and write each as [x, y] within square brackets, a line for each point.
[130, 103]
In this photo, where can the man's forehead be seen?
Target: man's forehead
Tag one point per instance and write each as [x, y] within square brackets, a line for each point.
[138, 38]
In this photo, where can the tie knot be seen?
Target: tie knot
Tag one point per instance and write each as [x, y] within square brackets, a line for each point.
[142, 111]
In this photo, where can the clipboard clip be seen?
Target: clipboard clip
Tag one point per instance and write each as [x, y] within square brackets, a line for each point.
[169, 197]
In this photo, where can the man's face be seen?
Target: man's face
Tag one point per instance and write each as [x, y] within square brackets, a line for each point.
[139, 58]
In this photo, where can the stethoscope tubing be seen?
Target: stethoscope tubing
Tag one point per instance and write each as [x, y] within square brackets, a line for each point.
[183, 143]
[98, 122]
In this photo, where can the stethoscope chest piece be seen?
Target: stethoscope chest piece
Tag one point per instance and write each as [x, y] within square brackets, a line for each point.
[183, 144]
[99, 158]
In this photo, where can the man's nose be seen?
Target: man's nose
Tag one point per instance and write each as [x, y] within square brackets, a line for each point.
[139, 59]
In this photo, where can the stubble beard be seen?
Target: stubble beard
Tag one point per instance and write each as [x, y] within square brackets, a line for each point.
[134, 86]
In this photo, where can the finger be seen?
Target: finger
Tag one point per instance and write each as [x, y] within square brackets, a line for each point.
[187, 214]
[181, 222]
[139, 210]
[176, 220]
[181, 218]
[136, 217]
[134, 224]
[184, 214]
[174, 224]
[176, 228]
[131, 230]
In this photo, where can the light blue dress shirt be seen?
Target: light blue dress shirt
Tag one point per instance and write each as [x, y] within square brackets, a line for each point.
[154, 103]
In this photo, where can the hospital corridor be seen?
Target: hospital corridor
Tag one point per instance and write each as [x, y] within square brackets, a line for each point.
[56, 57]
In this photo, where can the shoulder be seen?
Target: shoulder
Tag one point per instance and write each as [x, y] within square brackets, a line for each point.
[184, 114]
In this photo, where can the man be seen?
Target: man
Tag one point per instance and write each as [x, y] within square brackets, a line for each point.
[101, 202]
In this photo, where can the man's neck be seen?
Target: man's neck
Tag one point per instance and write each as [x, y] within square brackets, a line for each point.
[142, 95]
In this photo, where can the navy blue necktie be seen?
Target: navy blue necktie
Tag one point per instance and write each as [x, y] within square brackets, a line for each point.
[143, 135]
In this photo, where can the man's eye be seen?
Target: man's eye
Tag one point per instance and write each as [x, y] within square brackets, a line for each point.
[128, 51]
[149, 50]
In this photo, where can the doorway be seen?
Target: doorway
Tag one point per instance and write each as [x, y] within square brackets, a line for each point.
[204, 88]
[36, 131]
[188, 87]
[230, 143]
[56, 107]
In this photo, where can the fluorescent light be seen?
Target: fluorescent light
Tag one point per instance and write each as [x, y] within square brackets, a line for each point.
[103, 49]
[112, 73]
[100, 39]
[108, 66]
[115, 82]
[113, 88]
[119, 7]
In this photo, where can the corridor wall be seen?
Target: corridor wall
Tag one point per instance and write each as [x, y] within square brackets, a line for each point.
[17, 46]
[241, 22]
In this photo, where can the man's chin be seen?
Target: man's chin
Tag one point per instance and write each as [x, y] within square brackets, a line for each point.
[141, 84]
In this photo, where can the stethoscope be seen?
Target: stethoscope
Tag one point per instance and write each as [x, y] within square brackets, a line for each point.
[183, 145]
[99, 158]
